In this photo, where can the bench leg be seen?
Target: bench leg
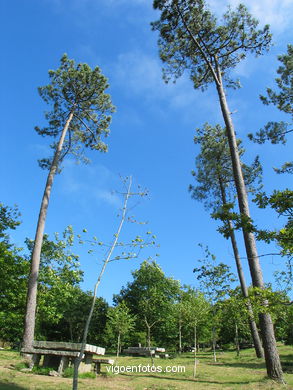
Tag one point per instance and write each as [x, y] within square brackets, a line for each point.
[98, 367]
[63, 364]
[35, 360]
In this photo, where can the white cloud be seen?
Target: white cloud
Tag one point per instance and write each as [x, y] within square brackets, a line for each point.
[141, 75]
[108, 196]
[90, 183]
[277, 13]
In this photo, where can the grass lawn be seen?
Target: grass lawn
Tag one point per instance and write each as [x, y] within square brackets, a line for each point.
[229, 372]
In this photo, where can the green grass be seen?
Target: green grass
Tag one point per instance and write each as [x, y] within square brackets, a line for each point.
[229, 372]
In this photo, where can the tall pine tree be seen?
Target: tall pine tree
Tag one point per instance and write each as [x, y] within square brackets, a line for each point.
[191, 39]
[80, 115]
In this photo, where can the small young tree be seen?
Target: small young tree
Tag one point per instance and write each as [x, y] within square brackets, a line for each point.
[193, 40]
[135, 245]
[196, 311]
[120, 322]
[80, 116]
[215, 283]
[179, 312]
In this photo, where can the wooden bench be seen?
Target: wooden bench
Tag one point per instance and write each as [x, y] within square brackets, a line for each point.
[98, 362]
[144, 351]
[59, 355]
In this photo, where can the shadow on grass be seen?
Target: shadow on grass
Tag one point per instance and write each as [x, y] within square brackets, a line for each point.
[10, 386]
[196, 380]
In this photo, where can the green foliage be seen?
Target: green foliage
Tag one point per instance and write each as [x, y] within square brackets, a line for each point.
[215, 279]
[120, 322]
[192, 39]
[277, 303]
[149, 297]
[58, 277]
[214, 173]
[282, 203]
[8, 219]
[61, 302]
[283, 97]
[13, 271]
[78, 89]
[192, 310]
[233, 312]
[240, 221]
[276, 132]
[214, 176]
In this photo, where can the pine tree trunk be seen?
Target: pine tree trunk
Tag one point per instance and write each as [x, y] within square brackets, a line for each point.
[252, 325]
[273, 364]
[30, 316]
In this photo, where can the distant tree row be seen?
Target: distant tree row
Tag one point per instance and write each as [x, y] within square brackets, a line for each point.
[152, 309]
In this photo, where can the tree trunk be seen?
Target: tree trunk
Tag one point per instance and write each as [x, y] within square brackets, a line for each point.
[70, 331]
[180, 336]
[273, 364]
[195, 341]
[149, 339]
[214, 344]
[253, 328]
[30, 315]
[237, 340]
[118, 344]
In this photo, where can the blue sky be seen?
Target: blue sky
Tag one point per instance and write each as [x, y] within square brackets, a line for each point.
[151, 133]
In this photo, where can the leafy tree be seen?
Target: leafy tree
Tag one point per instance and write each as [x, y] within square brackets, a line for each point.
[150, 297]
[58, 283]
[69, 322]
[79, 117]
[119, 322]
[196, 310]
[234, 317]
[13, 271]
[75, 314]
[215, 187]
[180, 313]
[192, 40]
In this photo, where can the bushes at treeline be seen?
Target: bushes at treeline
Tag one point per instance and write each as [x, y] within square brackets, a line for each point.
[151, 305]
